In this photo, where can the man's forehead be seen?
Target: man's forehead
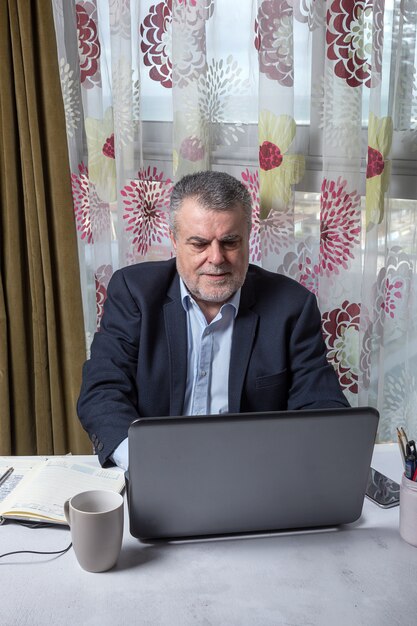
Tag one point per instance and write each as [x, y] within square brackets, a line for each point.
[193, 218]
[209, 223]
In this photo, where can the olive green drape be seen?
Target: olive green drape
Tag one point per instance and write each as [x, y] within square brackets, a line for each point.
[42, 344]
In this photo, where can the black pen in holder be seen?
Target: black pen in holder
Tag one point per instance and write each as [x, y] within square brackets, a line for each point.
[410, 460]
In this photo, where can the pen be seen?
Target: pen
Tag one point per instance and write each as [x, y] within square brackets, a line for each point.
[410, 463]
[6, 475]
[412, 445]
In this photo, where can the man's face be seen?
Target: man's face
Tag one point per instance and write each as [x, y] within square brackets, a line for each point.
[212, 250]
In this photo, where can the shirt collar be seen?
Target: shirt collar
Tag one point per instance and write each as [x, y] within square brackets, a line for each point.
[187, 298]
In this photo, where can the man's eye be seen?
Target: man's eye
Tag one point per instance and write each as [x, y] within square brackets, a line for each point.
[231, 245]
[199, 246]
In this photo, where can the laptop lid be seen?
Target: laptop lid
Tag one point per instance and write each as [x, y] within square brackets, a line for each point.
[248, 472]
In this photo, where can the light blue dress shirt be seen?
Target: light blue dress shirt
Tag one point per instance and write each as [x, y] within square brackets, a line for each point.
[208, 356]
[208, 359]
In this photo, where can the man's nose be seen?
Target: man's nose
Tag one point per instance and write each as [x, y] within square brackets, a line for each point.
[216, 256]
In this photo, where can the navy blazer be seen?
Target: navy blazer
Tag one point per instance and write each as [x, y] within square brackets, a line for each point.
[138, 363]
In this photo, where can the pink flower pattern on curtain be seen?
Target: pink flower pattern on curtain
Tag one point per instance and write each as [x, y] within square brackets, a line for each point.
[311, 104]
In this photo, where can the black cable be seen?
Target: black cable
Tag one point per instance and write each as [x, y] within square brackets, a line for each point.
[36, 552]
[34, 525]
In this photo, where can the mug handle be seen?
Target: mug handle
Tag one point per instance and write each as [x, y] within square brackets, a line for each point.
[66, 511]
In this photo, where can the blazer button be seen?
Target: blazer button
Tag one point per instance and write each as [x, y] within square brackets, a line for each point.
[100, 446]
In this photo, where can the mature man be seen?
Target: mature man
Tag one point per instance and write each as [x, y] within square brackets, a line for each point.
[205, 332]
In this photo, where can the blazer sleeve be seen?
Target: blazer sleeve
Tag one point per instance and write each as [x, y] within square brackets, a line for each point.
[314, 382]
[108, 398]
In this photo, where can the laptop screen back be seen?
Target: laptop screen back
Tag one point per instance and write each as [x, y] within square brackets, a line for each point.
[241, 473]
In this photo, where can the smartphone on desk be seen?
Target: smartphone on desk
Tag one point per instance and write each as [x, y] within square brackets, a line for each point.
[382, 490]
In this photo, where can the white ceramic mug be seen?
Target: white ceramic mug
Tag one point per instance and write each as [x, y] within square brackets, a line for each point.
[408, 510]
[96, 522]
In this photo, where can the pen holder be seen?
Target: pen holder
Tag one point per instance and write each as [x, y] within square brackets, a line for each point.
[408, 510]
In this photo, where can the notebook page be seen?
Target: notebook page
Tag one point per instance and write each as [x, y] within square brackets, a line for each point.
[21, 467]
[43, 492]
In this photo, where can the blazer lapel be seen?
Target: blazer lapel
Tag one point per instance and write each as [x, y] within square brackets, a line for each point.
[244, 331]
[176, 331]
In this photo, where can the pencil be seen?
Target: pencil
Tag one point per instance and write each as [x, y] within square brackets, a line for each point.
[6, 475]
[401, 445]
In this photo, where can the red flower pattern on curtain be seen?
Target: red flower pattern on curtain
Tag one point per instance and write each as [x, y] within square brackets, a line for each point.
[270, 156]
[88, 44]
[155, 34]
[341, 331]
[273, 40]
[376, 163]
[92, 214]
[339, 225]
[108, 147]
[192, 149]
[146, 203]
[354, 40]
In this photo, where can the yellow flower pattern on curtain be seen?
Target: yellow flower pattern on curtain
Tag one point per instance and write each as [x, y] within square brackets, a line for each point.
[378, 169]
[279, 171]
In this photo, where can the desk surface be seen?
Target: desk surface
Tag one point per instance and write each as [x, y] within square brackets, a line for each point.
[361, 574]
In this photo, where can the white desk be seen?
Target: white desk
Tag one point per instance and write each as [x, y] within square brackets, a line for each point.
[363, 574]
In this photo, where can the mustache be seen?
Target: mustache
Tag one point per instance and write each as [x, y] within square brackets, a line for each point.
[214, 270]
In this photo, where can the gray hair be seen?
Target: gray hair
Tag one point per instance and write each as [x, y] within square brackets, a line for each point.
[214, 191]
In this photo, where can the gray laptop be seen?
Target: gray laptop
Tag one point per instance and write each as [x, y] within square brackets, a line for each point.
[248, 472]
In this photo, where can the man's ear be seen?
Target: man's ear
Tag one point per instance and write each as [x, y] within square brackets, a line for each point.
[172, 237]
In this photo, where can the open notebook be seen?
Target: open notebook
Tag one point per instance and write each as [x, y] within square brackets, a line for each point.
[38, 487]
[210, 475]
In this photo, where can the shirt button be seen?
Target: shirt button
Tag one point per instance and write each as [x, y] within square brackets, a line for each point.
[203, 373]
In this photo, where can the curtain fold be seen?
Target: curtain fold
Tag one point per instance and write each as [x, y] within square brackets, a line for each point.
[41, 322]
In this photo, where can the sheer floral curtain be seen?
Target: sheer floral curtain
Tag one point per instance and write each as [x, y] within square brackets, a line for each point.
[312, 104]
